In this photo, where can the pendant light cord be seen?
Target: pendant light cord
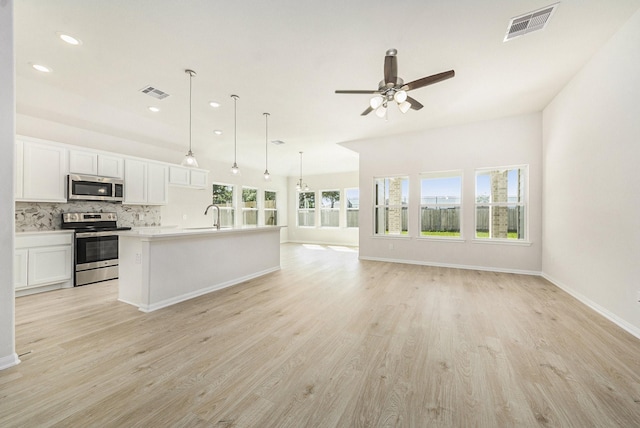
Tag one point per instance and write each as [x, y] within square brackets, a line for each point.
[266, 141]
[190, 103]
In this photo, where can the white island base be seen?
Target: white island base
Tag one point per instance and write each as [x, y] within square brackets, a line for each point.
[161, 267]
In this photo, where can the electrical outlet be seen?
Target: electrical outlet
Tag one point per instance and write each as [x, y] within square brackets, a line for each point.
[138, 258]
[140, 216]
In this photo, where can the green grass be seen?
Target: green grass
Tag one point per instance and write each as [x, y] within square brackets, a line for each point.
[510, 235]
[435, 233]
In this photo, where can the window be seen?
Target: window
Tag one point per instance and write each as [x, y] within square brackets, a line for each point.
[330, 208]
[223, 198]
[390, 211]
[249, 206]
[501, 203]
[440, 195]
[306, 209]
[270, 209]
[353, 206]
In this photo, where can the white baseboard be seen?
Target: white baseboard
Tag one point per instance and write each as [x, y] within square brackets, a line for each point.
[9, 361]
[630, 328]
[202, 291]
[453, 266]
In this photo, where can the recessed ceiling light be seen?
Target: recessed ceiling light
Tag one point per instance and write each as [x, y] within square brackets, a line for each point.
[217, 132]
[154, 109]
[277, 142]
[214, 104]
[70, 39]
[41, 68]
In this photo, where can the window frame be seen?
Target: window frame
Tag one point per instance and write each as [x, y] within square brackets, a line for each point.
[348, 210]
[245, 210]
[336, 210]
[267, 210]
[523, 202]
[231, 208]
[404, 207]
[438, 175]
[305, 210]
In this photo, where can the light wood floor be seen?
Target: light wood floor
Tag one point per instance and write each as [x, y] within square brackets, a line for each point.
[328, 341]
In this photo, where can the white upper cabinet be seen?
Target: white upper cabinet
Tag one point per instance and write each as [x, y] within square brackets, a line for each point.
[145, 183]
[135, 182]
[179, 176]
[44, 173]
[81, 162]
[157, 184]
[199, 178]
[93, 163]
[188, 177]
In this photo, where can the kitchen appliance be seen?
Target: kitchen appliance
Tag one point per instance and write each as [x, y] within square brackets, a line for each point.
[96, 245]
[94, 188]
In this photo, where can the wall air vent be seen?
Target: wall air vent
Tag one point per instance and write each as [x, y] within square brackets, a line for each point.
[154, 92]
[532, 21]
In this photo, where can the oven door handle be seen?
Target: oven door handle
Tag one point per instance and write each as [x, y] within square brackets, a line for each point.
[95, 234]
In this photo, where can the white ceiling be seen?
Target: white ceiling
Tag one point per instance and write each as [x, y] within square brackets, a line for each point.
[287, 57]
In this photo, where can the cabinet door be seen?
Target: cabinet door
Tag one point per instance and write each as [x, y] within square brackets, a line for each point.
[199, 178]
[81, 162]
[45, 172]
[178, 176]
[135, 182]
[49, 264]
[20, 259]
[110, 166]
[157, 184]
[18, 169]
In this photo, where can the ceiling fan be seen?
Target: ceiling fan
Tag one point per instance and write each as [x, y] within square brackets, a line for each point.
[393, 88]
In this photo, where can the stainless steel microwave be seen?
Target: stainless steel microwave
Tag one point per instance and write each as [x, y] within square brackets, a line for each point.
[94, 188]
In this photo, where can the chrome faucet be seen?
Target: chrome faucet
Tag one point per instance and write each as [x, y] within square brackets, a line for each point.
[217, 223]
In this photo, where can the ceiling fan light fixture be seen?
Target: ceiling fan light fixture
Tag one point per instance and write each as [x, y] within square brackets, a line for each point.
[404, 106]
[381, 111]
[400, 96]
[376, 102]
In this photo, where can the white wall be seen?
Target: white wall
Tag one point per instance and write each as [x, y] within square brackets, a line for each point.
[504, 142]
[8, 355]
[592, 185]
[322, 235]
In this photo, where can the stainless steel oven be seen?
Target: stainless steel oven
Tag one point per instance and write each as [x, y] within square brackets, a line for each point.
[96, 246]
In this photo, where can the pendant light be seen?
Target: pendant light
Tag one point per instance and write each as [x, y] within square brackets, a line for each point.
[234, 168]
[266, 147]
[189, 159]
[301, 185]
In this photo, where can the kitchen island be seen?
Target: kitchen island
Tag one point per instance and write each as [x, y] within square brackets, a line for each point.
[161, 267]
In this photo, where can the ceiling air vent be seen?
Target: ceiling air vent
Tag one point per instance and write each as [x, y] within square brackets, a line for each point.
[154, 92]
[532, 21]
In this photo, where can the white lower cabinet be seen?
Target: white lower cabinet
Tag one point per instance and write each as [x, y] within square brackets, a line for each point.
[43, 261]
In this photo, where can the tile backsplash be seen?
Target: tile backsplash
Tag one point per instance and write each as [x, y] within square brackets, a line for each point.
[41, 216]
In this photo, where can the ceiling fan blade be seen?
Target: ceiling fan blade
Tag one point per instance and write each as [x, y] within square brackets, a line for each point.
[414, 103]
[429, 80]
[366, 112]
[358, 92]
[390, 69]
